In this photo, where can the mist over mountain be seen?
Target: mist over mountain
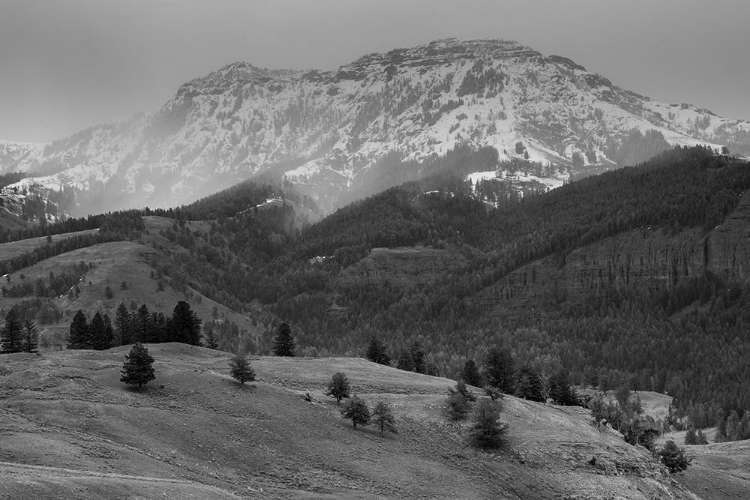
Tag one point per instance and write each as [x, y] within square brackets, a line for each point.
[325, 132]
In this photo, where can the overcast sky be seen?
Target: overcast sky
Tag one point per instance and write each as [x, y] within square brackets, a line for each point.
[69, 64]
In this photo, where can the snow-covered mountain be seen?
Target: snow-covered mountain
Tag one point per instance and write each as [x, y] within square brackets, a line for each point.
[19, 156]
[322, 130]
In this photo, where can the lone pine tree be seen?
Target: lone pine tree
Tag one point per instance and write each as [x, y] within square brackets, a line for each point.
[137, 369]
[240, 369]
[338, 387]
[283, 344]
[382, 416]
[357, 411]
[486, 431]
[674, 457]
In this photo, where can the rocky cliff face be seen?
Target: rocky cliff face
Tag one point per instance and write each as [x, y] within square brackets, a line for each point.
[645, 260]
[405, 267]
[727, 248]
[322, 130]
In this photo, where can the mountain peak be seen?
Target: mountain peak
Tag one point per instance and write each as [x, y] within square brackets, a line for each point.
[445, 51]
[238, 72]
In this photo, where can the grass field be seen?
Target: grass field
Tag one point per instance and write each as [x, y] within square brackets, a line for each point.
[71, 429]
[16, 248]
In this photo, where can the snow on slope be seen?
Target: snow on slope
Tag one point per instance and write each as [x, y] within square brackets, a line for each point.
[321, 129]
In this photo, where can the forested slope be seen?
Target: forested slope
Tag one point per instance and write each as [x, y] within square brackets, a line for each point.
[591, 314]
[632, 277]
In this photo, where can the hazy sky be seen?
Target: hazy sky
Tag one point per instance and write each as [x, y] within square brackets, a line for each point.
[69, 64]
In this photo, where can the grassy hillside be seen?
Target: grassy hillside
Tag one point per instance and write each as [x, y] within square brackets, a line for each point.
[70, 428]
[16, 248]
[132, 272]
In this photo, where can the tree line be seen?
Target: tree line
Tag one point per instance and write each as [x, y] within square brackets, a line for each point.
[140, 326]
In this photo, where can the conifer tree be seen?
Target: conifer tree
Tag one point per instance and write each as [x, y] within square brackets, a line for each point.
[79, 337]
[138, 367]
[733, 429]
[560, 390]
[376, 352]
[109, 332]
[498, 369]
[283, 344]
[745, 426]
[338, 387]
[382, 416]
[417, 357]
[98, 333]
[673, 457]
[11, 335]
[690, 436]
[405, 362]
[30, 337]
[240, 369]
[142, 331]
[470, 373]
[122, 325]
[486, 430]
[701, 438]
[209, 339]
[721, 426]
[457, 404]
[357, 411]
[529, 384]
[185, 326]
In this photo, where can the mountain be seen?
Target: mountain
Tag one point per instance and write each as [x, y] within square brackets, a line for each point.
[22, 156]
[324, 131]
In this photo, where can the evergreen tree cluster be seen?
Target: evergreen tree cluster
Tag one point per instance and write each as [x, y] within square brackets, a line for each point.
[140, 326]
[674, 457]
[736, 427]
[376, 352]
[625, 414]
[17, 335]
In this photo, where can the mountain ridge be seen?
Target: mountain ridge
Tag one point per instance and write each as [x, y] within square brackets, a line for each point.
[240, 121]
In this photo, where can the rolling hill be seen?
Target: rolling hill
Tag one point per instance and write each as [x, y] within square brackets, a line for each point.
[70, 428]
